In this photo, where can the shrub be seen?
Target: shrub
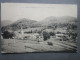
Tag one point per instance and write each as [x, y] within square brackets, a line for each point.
[50, 43]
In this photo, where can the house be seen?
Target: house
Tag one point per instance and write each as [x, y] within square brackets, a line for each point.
[60, 30]
[59, 35]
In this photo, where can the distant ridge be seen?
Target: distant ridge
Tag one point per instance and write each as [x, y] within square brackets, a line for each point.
[62, 20]
[25, 22]
[46, 22]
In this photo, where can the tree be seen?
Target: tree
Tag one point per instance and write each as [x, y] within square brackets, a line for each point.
[52, 33]
[7, 35]
[46, 36]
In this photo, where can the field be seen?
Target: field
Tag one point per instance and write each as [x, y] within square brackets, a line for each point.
[25, 46]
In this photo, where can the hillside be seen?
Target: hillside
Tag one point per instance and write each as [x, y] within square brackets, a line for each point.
[49, 21]
[24, 22]
[56, 20]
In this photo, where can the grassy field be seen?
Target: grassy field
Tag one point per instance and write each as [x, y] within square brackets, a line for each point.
[24, 46]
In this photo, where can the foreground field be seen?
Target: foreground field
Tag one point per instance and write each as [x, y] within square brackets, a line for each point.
[24, 46]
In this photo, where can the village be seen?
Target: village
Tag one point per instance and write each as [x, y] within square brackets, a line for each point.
[39, 39]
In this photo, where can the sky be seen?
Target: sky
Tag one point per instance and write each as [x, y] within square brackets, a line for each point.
[35, 11]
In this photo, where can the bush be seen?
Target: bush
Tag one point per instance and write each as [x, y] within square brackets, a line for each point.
[50, 43]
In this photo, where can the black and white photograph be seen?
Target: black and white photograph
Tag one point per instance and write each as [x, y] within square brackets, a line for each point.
[38, 28]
